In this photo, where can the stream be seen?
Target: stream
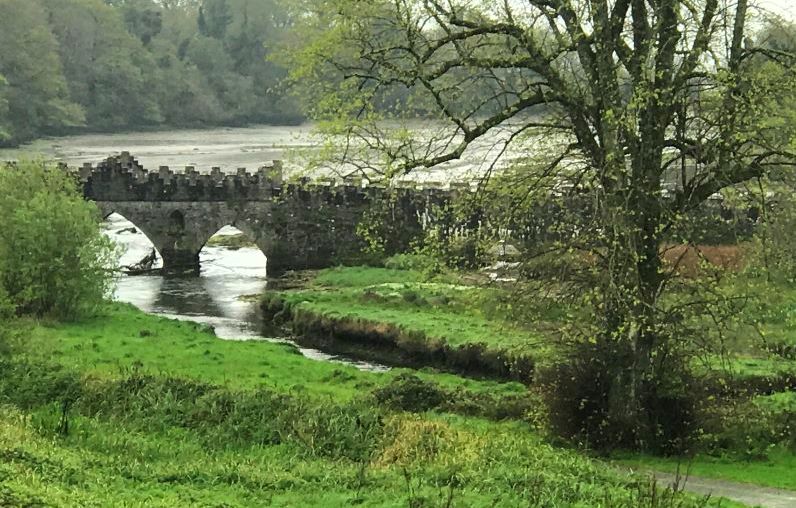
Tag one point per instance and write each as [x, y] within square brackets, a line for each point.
[223, 296]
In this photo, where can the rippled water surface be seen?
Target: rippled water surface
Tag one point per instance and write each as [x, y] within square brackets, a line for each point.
[229, 148]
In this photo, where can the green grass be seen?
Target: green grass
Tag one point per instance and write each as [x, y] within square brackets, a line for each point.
[122, 338]
[443, 310]
[363, 276]
[220, 434]
[109, 464]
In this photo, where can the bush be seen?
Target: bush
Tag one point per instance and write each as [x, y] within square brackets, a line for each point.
[580, 394]
[54, 260]
[410, 393]
[417, 262]
[749, 429]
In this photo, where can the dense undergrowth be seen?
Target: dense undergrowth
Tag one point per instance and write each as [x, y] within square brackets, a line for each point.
[129, 409]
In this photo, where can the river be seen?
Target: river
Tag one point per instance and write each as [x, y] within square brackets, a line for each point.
[222, 296]
[218, 296]
[252, 147]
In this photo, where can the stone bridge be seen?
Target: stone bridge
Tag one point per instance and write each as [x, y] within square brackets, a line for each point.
[297, 225]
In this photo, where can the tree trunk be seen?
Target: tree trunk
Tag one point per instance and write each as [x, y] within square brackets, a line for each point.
[630, 326]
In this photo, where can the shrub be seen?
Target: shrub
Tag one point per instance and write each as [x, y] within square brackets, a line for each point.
[578, 394]
[418, 262]
[54, 260]
[749, 429]
[410, 393]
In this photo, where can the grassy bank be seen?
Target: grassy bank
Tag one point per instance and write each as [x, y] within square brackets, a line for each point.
[396, 312]
[451, 324]
[468, 328]
[130, 409]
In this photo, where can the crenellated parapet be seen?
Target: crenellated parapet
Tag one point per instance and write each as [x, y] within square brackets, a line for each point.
[297, 223]
[123, 178]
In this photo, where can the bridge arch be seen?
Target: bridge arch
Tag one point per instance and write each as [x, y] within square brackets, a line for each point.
[135, 249]
[233, 248]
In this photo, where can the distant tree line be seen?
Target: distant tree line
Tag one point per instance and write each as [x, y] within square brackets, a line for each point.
[67, 65]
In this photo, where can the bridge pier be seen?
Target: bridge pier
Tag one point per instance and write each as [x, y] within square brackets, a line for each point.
[177, 261]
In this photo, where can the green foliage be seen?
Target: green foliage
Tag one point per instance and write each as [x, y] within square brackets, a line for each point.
[410, 393]
[422, 263]
[54, 260]
[109, 72]
[773, 252]
[750, 429]
[70, 64]
[134, 436]
[36, 98]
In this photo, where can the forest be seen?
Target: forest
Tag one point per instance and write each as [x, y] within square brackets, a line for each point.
[72, 65]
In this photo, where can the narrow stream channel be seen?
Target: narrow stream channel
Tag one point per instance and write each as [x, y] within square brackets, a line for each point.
[222, 296]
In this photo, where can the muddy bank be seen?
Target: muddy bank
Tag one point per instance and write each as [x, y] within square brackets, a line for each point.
[390, 344]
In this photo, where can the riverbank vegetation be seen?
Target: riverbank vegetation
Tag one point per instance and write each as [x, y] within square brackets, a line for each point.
[54, 260]
[740, 420]
[125, 407]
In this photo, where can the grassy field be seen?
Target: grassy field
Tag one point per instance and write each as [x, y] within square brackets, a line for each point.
[122, 339]
[447, 310]
[127, 409]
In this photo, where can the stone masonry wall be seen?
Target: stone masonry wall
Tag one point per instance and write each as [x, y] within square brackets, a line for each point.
[296, 225]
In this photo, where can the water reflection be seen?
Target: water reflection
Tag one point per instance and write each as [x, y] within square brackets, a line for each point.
[223, 296]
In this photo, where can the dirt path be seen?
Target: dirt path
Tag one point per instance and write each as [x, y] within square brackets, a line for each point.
[745, 493]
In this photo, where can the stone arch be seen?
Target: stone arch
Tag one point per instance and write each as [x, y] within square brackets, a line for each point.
[108, 212]
[264, 236]
[247, 263]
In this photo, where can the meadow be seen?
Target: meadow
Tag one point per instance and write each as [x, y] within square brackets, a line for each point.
[130, 409]
[751, 426]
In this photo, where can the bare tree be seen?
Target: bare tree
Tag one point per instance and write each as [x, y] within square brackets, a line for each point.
[650, 106]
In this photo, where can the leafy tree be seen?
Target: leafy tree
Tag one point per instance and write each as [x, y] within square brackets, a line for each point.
[646, 108]
[184, 93]
[36, 94]
[143, 20]
[217, 17]
[108, 70]
[54, 260]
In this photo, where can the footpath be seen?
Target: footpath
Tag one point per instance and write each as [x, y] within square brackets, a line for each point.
[751, 495]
